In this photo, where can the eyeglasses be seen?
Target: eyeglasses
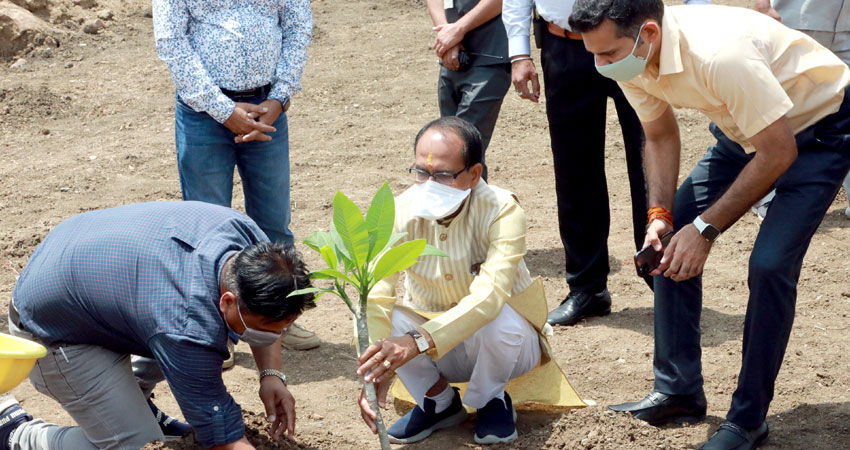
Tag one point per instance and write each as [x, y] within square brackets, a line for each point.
[447, 178]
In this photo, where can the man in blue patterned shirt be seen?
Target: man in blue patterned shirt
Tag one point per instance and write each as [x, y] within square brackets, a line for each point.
[235, 65]
[166, 280]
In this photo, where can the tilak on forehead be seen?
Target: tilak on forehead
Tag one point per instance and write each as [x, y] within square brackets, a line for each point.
[428, 161]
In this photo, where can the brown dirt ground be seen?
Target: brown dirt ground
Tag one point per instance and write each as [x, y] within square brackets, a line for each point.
[89, 125]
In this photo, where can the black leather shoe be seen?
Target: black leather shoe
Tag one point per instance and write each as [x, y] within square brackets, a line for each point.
[658, 409]
[732, 437]
[579, 305]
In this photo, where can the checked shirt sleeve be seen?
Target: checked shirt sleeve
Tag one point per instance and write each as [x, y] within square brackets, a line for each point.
[193, 373]
[191, 79]
[296, 20]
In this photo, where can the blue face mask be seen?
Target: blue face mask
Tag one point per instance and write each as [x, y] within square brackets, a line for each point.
[627, 68]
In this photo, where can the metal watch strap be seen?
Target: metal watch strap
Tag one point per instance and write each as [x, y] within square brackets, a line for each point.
[421, 342]
[273, 373]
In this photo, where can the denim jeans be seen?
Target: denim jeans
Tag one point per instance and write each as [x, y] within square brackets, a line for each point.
[207, 154]
[803, 195]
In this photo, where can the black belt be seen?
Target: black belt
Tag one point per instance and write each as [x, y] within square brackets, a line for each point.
[262, 91]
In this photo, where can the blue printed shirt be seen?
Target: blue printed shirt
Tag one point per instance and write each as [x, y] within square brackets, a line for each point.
[144, 279]
[236, 45]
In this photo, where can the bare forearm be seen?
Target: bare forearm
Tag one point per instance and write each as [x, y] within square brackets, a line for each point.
[776, 150]
[438, 14]
[268, 357]
[661, 160]
[480, 14]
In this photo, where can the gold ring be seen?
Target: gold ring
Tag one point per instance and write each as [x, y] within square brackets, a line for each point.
[386, 364]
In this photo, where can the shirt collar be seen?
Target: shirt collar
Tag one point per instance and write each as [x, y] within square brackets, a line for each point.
[671, 52]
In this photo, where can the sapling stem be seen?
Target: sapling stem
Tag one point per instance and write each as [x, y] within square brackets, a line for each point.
[371, 396]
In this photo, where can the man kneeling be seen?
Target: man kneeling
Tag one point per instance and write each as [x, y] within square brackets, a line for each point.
[474, 316]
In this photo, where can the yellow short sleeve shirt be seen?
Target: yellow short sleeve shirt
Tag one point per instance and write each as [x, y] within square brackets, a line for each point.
[740, 68]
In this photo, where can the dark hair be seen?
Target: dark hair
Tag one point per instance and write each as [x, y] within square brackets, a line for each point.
[262, 276]
[627, 15]
[467, 133]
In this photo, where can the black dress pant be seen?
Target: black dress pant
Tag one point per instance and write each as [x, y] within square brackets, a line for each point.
[576, 101]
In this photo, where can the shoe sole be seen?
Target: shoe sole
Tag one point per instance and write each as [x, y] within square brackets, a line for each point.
[681, 420]
[7, 401]
[301, 347]
[173, 438]
[450, 421]
[493, 439]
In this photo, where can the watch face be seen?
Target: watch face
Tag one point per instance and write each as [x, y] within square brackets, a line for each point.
[710, 232]
[422, 344]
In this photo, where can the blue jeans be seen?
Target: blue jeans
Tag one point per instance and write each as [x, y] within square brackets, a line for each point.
[206, 155]
[803, 195]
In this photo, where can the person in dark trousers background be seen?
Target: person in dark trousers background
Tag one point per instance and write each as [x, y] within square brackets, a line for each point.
[576, 102]
[475, 73]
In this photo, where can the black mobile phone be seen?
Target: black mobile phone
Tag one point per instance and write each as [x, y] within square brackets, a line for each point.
[647, 259]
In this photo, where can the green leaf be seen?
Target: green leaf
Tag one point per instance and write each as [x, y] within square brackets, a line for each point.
[333, 273]
[309, 290]
[397, 259]
[349, 224]
[338, 246]
[318, 239]
[329, 256]
[316, 275]
[395, 238]
[430, 250]
[379, 220]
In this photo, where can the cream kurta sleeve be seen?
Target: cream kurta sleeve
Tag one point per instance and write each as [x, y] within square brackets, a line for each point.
[490, 289]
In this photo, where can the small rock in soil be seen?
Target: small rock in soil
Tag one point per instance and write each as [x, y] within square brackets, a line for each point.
[87, 4]
[93, 26]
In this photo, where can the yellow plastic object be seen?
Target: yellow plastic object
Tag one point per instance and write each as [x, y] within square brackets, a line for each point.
[17, 357]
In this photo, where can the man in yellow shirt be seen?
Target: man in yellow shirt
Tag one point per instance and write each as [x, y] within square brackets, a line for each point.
[474, 316]
[780, 109]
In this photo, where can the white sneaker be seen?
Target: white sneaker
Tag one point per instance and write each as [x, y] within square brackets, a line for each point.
[231, 360]
[847, 212]
[299, 338]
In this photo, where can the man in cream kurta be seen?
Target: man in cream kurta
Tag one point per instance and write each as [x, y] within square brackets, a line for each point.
[474, 316]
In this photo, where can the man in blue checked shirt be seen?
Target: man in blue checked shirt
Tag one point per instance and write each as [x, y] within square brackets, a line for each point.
[235, 65]
[170, 281]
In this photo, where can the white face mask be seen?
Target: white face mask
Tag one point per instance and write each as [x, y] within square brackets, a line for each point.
[435, 201]
[256, 338]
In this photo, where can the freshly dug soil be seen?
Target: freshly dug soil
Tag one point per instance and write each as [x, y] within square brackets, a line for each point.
[92, 126]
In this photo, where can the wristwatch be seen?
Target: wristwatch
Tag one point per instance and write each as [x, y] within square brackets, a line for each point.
[273, 373]
[421, 342]
[707, 230]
